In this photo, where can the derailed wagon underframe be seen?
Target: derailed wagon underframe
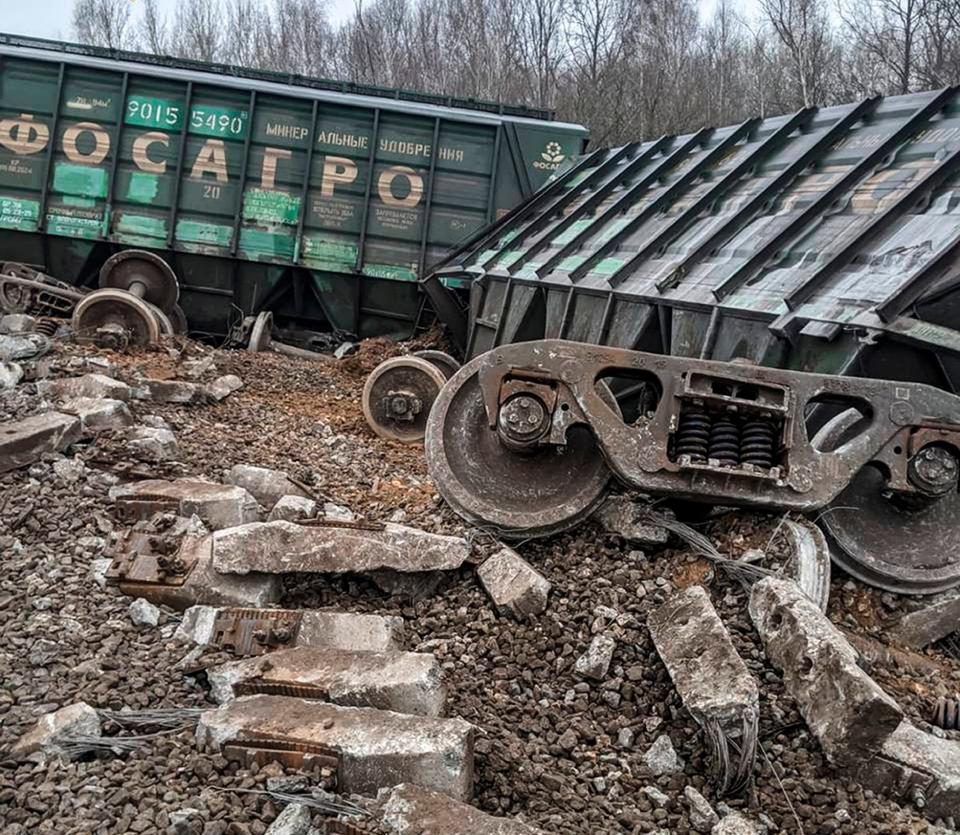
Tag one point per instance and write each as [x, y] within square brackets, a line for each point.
[823, 241]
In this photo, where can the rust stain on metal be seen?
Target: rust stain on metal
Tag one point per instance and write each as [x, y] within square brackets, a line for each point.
[256, 631]
[291, 753]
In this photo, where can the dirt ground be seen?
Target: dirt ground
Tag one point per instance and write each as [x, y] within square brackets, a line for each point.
[547, 747]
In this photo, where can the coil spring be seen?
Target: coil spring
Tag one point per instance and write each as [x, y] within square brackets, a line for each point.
[725, 441]
[946, 714]
[693, 435]
[47, 326]
[757, 443]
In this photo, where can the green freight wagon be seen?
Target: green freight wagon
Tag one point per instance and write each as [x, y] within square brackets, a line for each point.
[321, 201]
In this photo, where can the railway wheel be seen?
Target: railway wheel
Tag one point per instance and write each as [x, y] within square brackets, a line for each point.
[145, 275]
[442, 360]
[519, 493]
[131, 320]
[907, 548]
[398, 396]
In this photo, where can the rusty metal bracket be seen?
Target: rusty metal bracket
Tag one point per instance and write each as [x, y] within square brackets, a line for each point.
[262, 686]
[256, 631]
[149, 560]
[291, 753]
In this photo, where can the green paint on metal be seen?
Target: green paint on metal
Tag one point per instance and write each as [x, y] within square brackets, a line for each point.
[258, 244]
[613, 228]
[608, 266]
[78, 202]
[193, 231]
[570, 233]
[81, 180]
[208, 120]
[75, 223]
[336, 255]
[571, 262]
[271, 206]
[142, 187]
[393, 271]
[141, 226]
[456, 283]
[153, 113]
[19, 214]
[483, 256]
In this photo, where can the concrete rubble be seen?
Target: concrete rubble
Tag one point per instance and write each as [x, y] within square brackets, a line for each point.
[846, 710]
[144, 613]
[293, 820]
[630, 519]
[927, 620]
[595, 662]
[218, 506]
[173, 391]
[149, 444]
[224, 386]
[376, 748]
[191, 546]
[335, 630]
[406, 682]
[88, 385]
[50, 730]
[661, 757]
[734, 823]
[11, 373]
[711, 678]
[408, 809]
[23, 442]
[916, 767]
[515, 587]
[702, 816]
[809, 562]
[293, 509]
[265, 485]
[98, 413]
[284, 547]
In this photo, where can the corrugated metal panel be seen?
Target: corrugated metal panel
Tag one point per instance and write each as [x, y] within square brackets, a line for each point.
[731, 241]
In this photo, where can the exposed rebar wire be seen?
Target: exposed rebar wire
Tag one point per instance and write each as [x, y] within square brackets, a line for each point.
[173, 718]
[734, 757]
[317, 798]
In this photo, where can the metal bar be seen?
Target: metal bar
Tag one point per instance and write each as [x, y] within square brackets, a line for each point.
[919, 281]
[181, 156]
[238, 215]
[685, 219]
[112, 176]
[564, 200]
[743, 216]
[605, 319]
[565, 319]
[684, 181]
[507, 294]
[429, 197]
[594, 200]
[864, 168]
[933, 179]
[305, 188]
[492, 195]
[48, 162]
[526, 187]
[365, 211]
[710, 337]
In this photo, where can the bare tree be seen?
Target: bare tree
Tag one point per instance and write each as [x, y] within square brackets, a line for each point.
[199, 29]
[103, 23]
[801, 27]
[153, 30]
[887, 33]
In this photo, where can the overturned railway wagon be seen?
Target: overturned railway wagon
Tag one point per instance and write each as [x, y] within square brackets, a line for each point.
[825, 240]
[323, 202]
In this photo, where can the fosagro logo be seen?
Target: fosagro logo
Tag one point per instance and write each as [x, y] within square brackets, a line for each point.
[551, 157]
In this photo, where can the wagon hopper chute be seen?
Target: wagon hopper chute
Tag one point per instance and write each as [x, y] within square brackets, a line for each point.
[323, 202]
[824, 241]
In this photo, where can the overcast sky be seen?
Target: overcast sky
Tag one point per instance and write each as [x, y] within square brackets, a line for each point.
[51, 18]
